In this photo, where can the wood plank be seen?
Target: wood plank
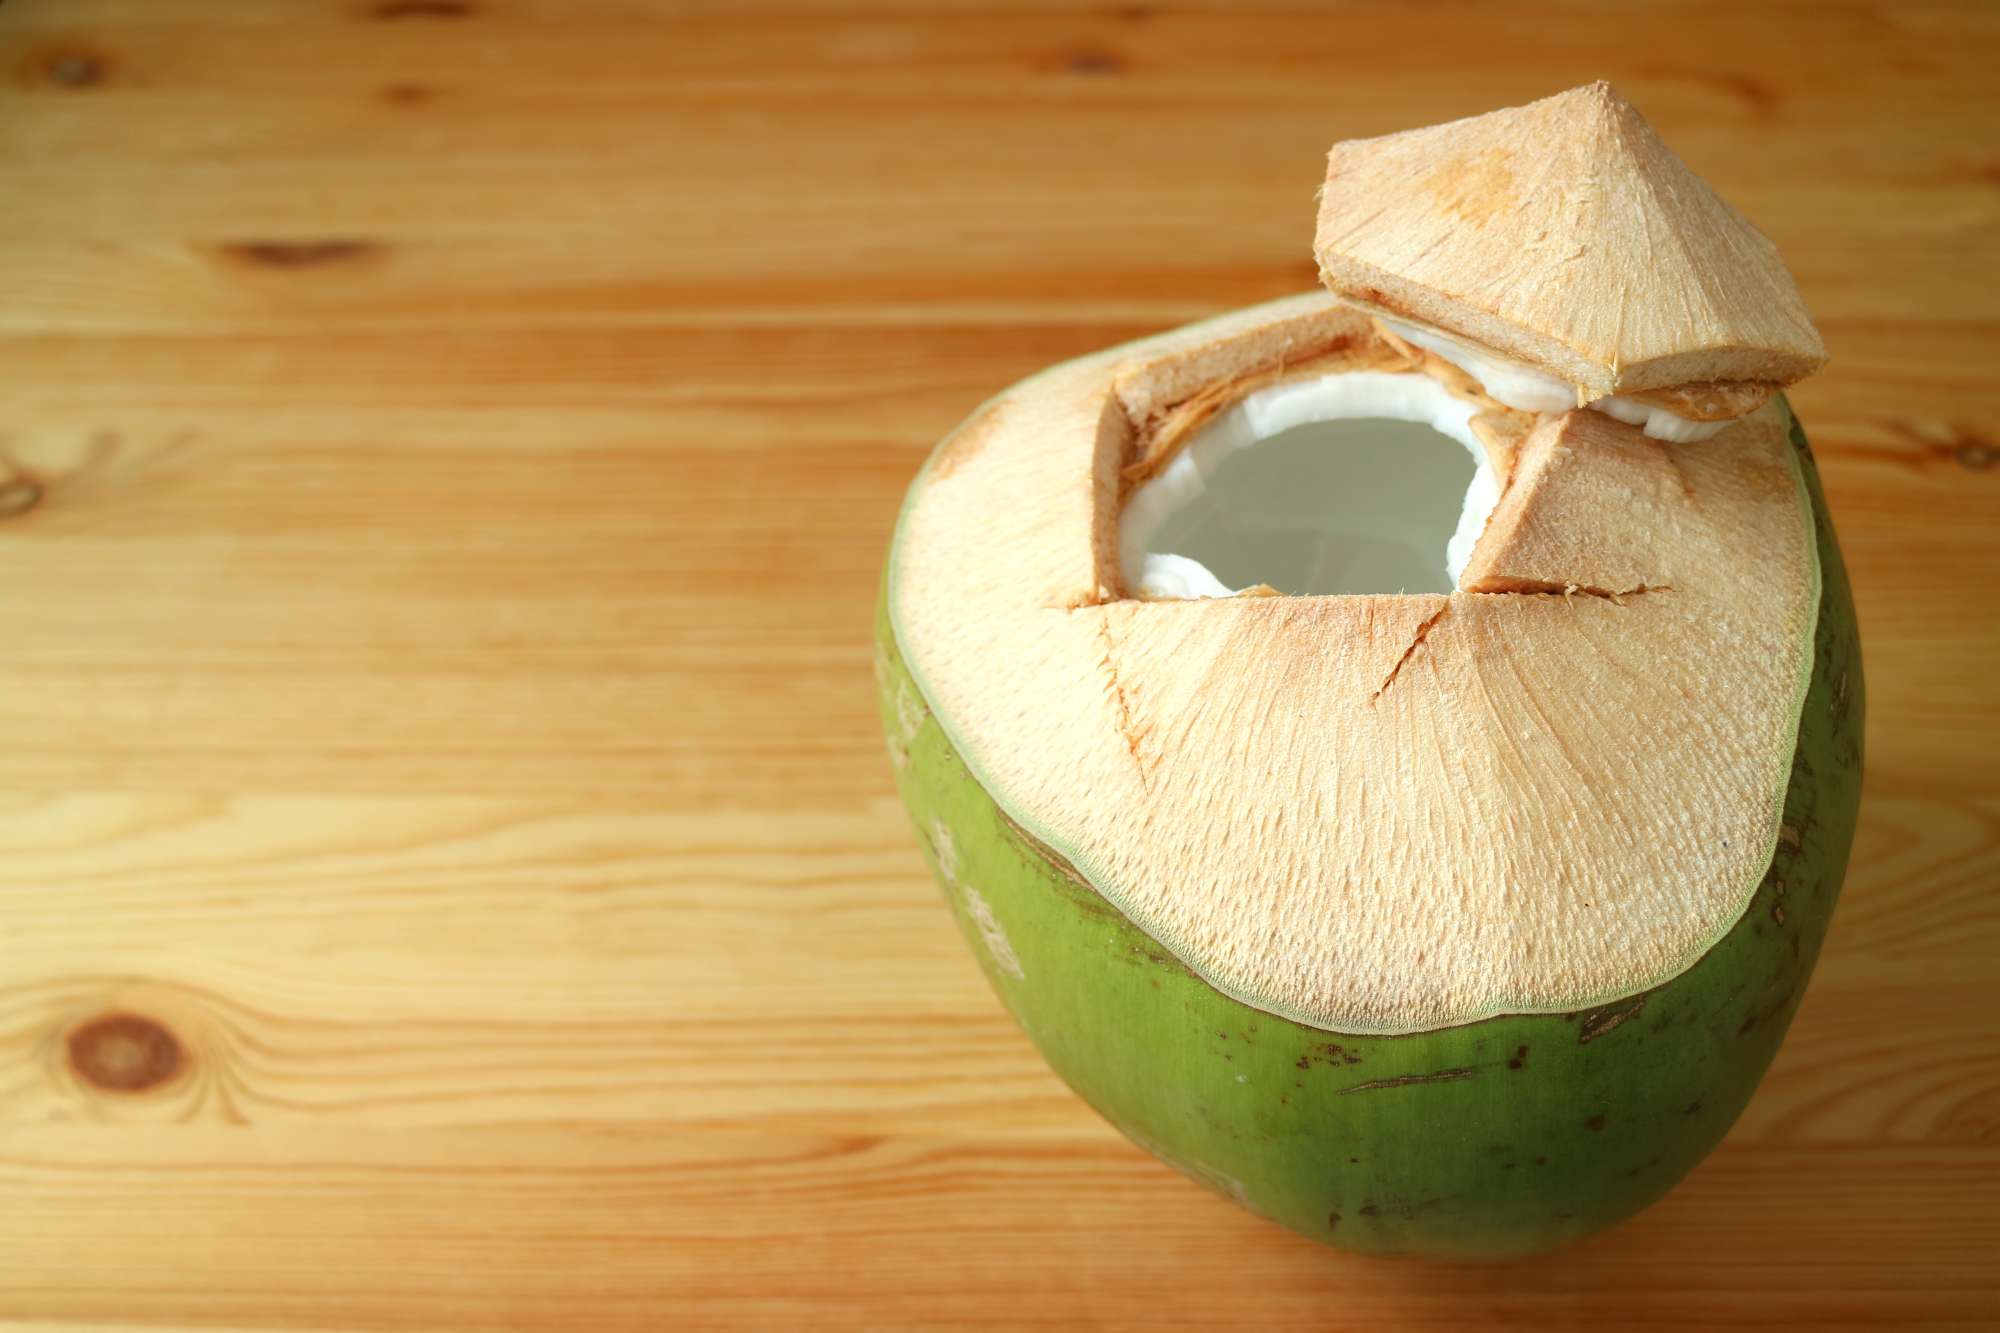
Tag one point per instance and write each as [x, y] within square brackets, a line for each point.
[561, 186]
[532, 1229]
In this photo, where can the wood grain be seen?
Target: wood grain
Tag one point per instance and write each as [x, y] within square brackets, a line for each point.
[449, 875]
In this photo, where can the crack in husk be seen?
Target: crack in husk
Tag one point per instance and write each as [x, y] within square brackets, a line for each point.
[1521, 588]
[1543, 588]
[1423, 632]
[1124, 705]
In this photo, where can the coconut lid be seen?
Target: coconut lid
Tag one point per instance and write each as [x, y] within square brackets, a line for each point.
[1566, 234]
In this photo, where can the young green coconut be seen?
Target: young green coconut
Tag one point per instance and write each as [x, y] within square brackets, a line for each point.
[1395, 751]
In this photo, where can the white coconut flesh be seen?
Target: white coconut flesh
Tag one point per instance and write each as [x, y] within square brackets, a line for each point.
[1556, 784]
[1522, 386]
[1347, 483]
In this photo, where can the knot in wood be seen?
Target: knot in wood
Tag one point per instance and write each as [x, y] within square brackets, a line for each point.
[124, 1053]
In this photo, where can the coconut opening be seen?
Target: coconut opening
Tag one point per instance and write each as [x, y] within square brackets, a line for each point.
[1354, 483]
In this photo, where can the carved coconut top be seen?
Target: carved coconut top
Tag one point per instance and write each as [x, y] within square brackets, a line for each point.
[1567, 235]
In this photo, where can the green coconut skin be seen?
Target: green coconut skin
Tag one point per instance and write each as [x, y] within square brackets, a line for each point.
[1496, 1138]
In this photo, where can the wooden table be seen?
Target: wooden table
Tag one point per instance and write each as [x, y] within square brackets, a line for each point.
[449, 875]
